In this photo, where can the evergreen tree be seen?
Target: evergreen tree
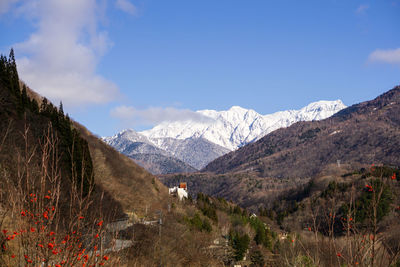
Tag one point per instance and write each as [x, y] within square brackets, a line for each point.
[12, 70]
[61, 109]
[74, 150]
[240, 244]
[11, 58]
[3, 68]
[260, 235]
[24, 97]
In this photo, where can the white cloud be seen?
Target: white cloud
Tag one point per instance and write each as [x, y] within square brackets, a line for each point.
[391, 56]
[5, 5]
[126, 6]
[362, 9]
[155, 115]
[60, 58]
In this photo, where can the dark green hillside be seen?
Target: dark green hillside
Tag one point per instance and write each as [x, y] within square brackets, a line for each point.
[18, 109]
[25, 124]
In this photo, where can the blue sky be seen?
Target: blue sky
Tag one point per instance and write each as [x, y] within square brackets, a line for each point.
[132, 63]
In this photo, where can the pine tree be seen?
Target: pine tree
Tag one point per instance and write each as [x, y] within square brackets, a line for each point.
[3, 69]
[12, 70]
[61, 109]
[240, 244]
[24, 97]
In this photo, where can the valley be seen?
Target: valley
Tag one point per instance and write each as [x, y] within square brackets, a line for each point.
[320, 190]
[138, 133]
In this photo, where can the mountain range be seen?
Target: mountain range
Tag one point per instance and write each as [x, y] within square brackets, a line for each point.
[363, 133]
[186, 146]
[352, 139]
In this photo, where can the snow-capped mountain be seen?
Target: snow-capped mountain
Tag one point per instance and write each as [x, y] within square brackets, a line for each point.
[237, 126]
[196, 152]
[124, 139]
[199, 142]
[146, 154]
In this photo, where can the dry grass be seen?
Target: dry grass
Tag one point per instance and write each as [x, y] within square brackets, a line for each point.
[130, 184]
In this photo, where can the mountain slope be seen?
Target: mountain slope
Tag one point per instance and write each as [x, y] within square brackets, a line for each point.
[146, 154]
[159, 164]
[128, 183]
[364, 133]
[166, 155]
[125, 138]
[197, 152]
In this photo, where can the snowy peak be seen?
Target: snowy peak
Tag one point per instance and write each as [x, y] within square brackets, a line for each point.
[238, 126]
[125, 134]
[322, 109]
[123, 139]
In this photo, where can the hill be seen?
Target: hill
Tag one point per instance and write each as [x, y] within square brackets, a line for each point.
[364, 133]
[131, 185]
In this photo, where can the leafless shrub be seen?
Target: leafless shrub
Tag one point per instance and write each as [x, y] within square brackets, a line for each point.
[45, 219]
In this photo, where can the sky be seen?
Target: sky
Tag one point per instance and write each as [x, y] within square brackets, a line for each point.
[118, 64]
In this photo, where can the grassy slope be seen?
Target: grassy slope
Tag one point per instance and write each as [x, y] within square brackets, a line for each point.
[127, 182]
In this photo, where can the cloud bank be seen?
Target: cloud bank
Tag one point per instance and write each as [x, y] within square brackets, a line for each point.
[391, 56]
[155, 115]
[60, 58]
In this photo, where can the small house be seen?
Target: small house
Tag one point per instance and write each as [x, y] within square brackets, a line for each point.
[179, 191]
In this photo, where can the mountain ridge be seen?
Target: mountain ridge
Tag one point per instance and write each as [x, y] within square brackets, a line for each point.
[198, 143]
[238, 126]
[362, 133]
[146, 154]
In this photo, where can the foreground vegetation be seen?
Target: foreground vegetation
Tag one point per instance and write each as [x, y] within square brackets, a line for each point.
[350, 220]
